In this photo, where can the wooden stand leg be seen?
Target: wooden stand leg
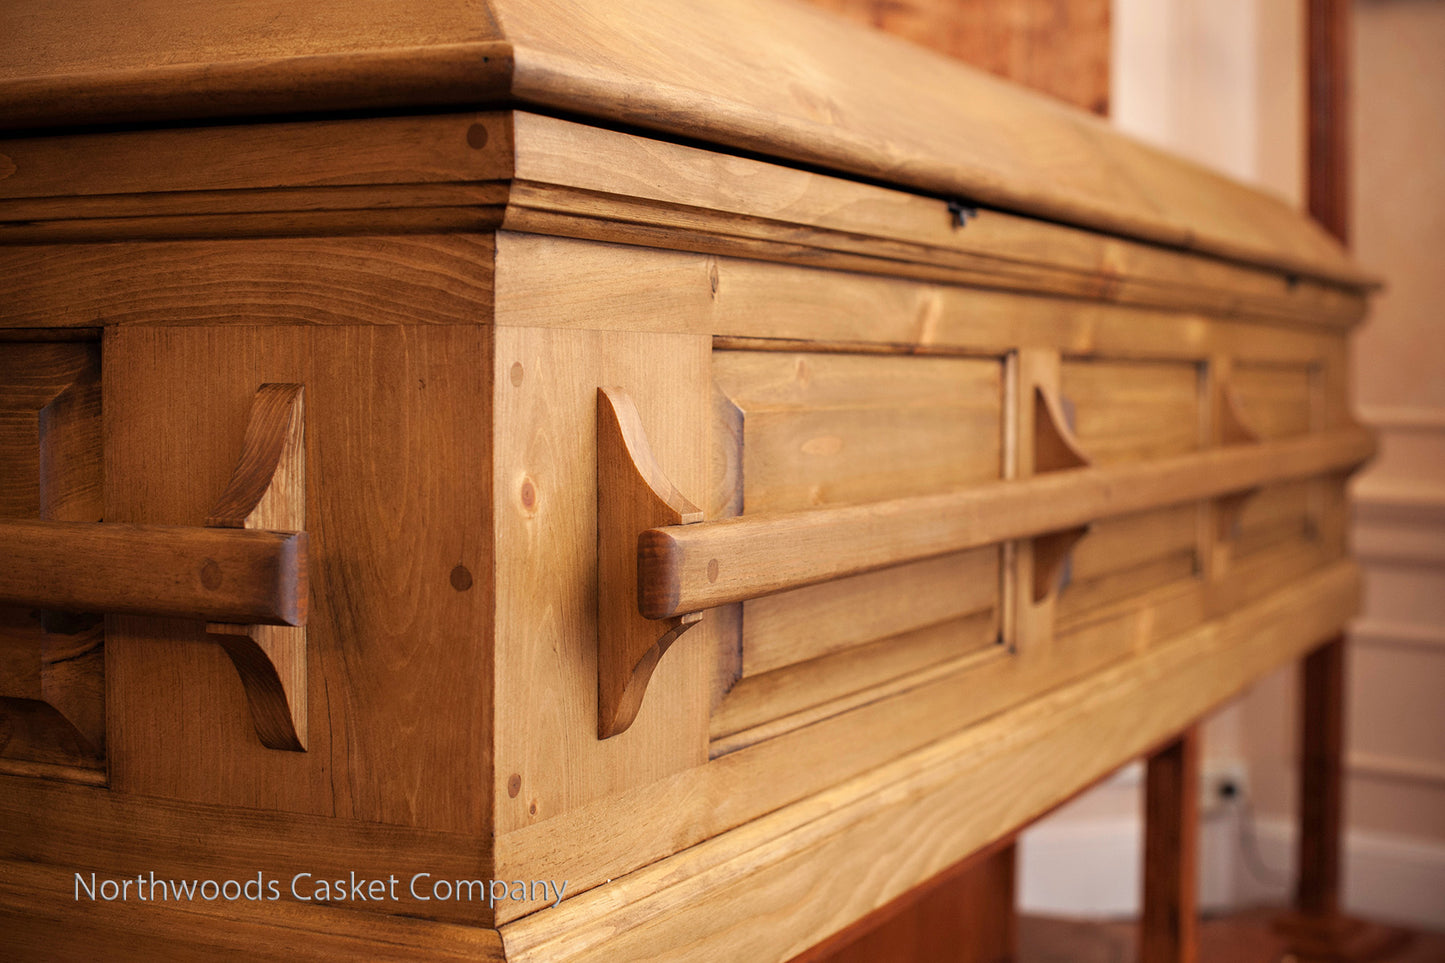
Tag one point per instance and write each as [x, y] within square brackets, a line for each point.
[1316, 930]
[1167, 930]
[1317, 891]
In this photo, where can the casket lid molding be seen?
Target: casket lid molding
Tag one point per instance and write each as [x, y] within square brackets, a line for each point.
[771, 77]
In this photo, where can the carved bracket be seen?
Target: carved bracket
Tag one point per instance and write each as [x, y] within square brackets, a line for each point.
[1232, 431]
[633, 495]
[1055, 449]
[267, 491]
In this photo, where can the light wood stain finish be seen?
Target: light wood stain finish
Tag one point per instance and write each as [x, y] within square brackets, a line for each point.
[987, 503]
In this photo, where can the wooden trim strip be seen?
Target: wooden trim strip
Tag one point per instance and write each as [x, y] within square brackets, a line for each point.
[428, 75]
[220, 575]
[573, 180]
[688, 568]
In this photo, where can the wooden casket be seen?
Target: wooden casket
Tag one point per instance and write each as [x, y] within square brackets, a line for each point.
[704, 467]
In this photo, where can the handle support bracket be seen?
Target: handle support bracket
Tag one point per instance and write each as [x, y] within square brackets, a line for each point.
[633, 495]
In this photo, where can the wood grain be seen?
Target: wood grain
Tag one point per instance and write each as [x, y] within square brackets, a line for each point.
[398, 518]
[827, 428]
[413, 279]
[165, 169]
[34, 923]
[64, 829]
[908, 820]
[166, 570]
[579, 181]
[833, 428]
[810, 622]
[961, 133]
[1128, 411]
[1128, 556]
[831, 747]
[50, 430]
[633, 493]
[388, 175]
[52, 672]
[155, 63]
[1274, 400]
[816, 346]
[833, 96]
[1055, 448]
[769, 704]
[560, 282]
[268, 491]
[964, 915]
[545, 544]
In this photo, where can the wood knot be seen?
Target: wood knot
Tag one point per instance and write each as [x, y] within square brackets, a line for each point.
[461, 578]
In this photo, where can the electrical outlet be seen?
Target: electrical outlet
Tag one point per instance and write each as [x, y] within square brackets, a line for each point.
[1223, 785]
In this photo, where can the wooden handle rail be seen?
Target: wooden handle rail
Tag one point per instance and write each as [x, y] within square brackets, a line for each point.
[244, 573]
[216, 574]
[690, 568]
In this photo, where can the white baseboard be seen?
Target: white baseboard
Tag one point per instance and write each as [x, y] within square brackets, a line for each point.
[1080, 868]
[1091, 868]
[1393, 879]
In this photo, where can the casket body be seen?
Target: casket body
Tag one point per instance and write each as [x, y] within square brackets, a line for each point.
[1034, 442]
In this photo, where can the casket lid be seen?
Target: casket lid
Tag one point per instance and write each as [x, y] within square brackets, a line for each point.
[772, 77]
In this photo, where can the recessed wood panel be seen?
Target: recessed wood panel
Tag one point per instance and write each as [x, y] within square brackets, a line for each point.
[52, 699]
[828, 429]
[1125, 411]
[1127, 556]
[812, 429]
[810, 622]
[830, 684]
[1276, 401]
[1128, 411]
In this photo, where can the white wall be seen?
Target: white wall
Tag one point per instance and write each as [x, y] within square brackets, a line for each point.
[1222, 81]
